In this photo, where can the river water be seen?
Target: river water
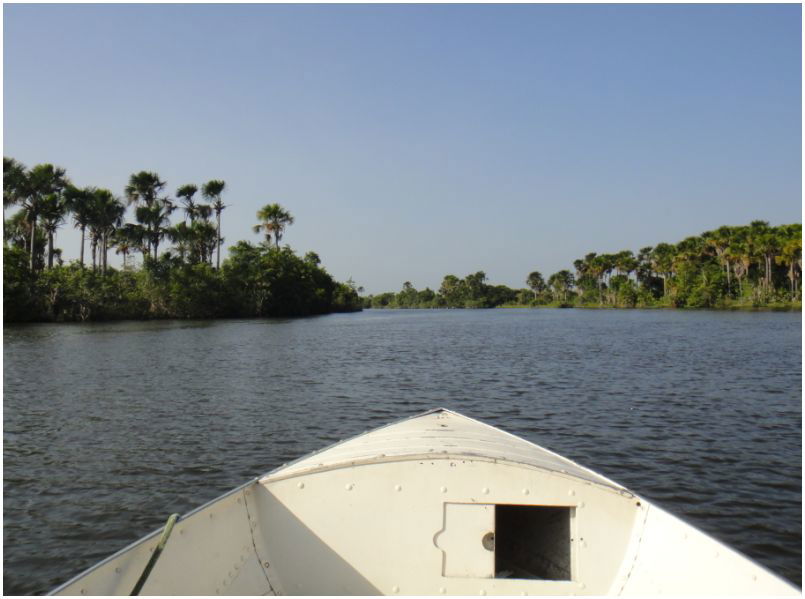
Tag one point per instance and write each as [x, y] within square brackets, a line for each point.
[108, 428]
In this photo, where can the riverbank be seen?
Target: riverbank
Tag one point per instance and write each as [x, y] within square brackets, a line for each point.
[254, 281]
[777, 307]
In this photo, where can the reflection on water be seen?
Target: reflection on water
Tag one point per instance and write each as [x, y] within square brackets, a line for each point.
[110, 427]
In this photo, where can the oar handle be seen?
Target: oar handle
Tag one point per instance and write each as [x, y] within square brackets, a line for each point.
[163, 539]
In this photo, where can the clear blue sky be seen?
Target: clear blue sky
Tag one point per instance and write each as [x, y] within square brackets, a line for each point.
[414, 141]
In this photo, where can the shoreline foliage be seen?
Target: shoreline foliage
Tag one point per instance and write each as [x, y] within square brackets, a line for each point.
[189, 279]
[733, 267]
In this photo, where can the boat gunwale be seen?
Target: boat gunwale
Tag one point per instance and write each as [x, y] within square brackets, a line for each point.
[151, 535]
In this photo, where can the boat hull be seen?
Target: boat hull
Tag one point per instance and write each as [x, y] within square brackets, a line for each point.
[436, 504]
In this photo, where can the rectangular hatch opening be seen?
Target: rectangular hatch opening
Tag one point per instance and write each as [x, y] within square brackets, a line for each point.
[532, 542]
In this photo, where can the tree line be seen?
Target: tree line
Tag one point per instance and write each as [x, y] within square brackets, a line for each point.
[187, 279]
[755, 265]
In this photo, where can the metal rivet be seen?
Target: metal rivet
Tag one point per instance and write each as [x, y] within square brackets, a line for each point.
[301, 485]
[485, 491]
[483, 592]
[526, 491]
[210, 516]
[571, 492]
[117, 570]
[239, 500]
[349, 486]
[395, 589]
[265, 564]
[83, 591]
[581, 504]
[582, 585]
[443, 489]
[442, 590]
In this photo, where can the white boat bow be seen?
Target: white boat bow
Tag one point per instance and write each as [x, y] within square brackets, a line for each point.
[434, 504]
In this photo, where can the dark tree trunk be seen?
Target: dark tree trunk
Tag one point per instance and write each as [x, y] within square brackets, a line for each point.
[218, 243]
[82, 245]
[33, 240]
[50, 250]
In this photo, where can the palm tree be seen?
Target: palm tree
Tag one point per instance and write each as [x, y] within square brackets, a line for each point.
[765, 245]
[719, 241]
[791, 255]
[274, 218]
[122, 244]
[79, 203]
[52, 211]
[625, 262]
[186, 193]
[561, 282]
[212, 191]
[13, 183]
[41, 181]
[107, 216]
[181, 235]
[155, 218]
[205, 239]
[135, 238]
[662, 262]
[535, 282]
[143, 191]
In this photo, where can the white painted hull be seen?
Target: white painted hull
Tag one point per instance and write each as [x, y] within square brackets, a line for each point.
[435, 504]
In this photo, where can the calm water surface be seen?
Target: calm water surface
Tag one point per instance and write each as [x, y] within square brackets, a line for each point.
[108, 428]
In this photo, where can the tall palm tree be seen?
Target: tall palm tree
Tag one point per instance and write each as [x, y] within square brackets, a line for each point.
[186, 193]
[79, 203]
[52, 212]
[155, 218]
[274, 218]
[719, 241]
[766, 247]
[42, 180]
[143, 191]
[791, 255]
[662, 262]
[107, 217]
[182, 236]
[212, 191]
[135, 238]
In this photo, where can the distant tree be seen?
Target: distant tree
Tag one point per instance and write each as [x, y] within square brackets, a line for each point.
[52, 212]
[212, 191]
[536, 283]
[41, 181]
[151, 211]
[185, 194]
[273, 220]
[561, 282]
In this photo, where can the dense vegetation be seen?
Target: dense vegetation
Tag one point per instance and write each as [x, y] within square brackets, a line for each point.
[189, 280]
[757, 265]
